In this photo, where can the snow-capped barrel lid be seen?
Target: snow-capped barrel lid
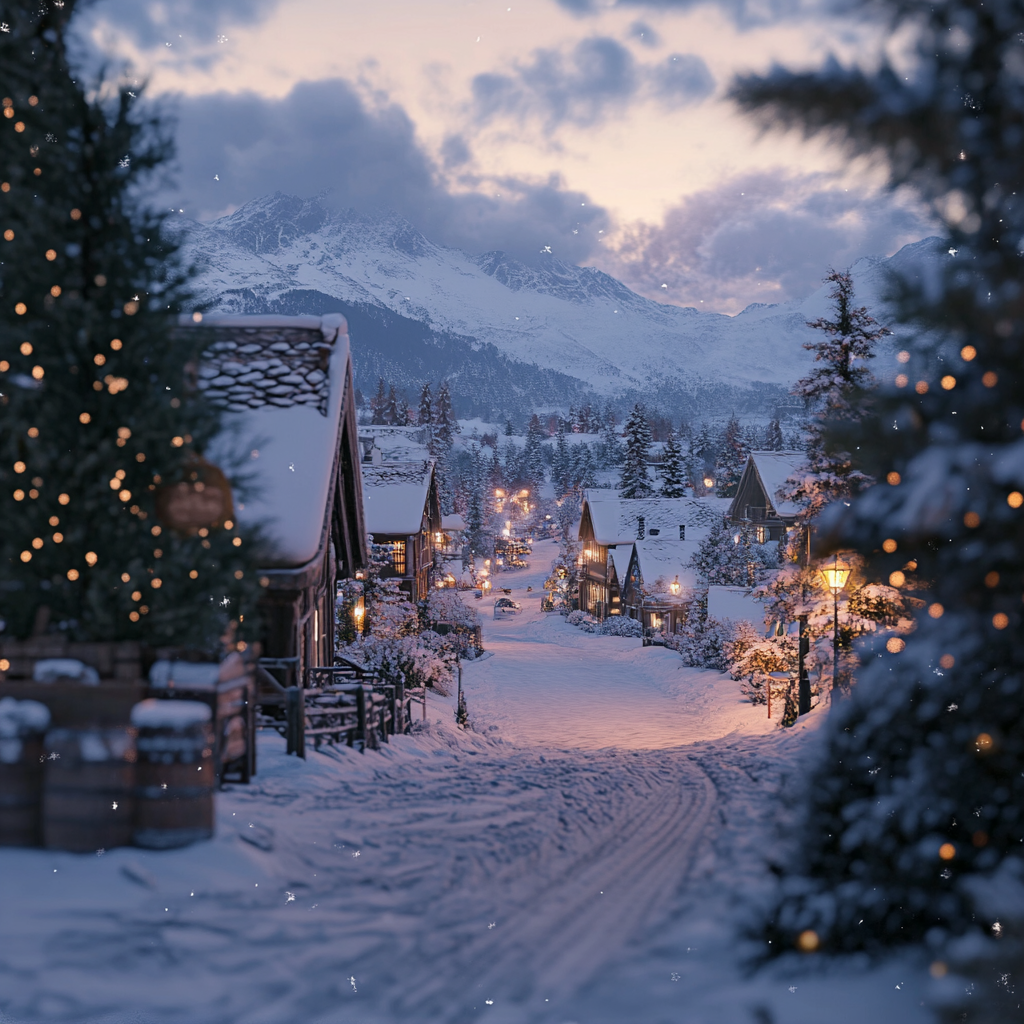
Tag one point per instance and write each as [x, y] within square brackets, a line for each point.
[18, 717]
[49, 670]
[169, 714]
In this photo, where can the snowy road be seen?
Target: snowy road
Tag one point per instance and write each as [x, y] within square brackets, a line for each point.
[535, 871]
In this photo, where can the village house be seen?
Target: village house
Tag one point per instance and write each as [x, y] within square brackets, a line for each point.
[400, 502]
[286, 385]
[609, 527]
[659, 583]
[759, 502]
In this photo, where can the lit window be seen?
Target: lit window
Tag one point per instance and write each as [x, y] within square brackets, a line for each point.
[396, 555]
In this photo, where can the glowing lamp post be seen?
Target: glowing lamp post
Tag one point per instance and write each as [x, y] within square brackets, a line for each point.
[709, 482]
[835, 577]
[674, 587]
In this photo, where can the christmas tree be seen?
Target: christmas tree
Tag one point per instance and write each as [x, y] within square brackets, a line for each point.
[917, 798]
[732, 457]
[426, 412]
[673, 473]
[633, 481]
[100, 413]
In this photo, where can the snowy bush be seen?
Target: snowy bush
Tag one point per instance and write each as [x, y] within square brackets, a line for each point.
[621, 625]
[580, 618]
[702, 640]
[752, 658]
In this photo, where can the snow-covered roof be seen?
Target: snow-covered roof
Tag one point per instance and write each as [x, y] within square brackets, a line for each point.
[664, 561]
[395, 496]
[396, 444]
[453, 523]
[289, 445]
[616, 520]
[774, 468]
[622, 567]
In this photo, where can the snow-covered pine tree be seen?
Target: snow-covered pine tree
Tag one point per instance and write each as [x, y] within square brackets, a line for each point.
[835, 393]
[584, 467]
[732, 457]
[773, 441]
[533, 453]
[509, 429]
[727, 556]
[378, 404]
[561, 465]
[391, 416]
[426, 411]
[496, 476]
[673, 473]
[446, 426]
[475, 504]
[611, 446]
[93, 388]
[917, 799]
[633, 481]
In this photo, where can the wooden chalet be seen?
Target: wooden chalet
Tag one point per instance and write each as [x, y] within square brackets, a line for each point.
[759, 501]
[286, 383]
[610, 526]
[401, 507]
[659, 583]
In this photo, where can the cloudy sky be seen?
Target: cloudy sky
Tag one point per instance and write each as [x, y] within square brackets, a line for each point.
[596, 127]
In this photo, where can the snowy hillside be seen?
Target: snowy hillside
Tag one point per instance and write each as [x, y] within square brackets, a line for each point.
[503, 331]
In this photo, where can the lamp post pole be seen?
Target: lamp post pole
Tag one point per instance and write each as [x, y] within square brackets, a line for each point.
[835, 643]
[803, 679]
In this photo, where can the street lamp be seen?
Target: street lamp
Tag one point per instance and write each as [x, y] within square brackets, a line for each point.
[674, 587]
[835, 577]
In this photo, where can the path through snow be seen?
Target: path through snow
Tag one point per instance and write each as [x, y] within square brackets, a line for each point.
[567, 861]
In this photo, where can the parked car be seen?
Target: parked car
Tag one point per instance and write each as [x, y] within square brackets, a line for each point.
[506, 606]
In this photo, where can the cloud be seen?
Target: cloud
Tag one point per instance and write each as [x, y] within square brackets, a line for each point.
[745, 13]
[155, 24]
[598, 77]
[323, 136]
[644, 34]
[767, 237]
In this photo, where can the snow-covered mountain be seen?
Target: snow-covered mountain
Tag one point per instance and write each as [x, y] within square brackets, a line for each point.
[509, 336]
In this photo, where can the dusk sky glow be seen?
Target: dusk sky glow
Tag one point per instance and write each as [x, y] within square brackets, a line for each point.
[596, 127]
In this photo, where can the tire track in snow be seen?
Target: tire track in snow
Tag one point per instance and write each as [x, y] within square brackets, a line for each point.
[579, 916]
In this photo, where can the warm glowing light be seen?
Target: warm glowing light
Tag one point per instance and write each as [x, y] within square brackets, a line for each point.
[936, 611]
[239, 574]
[1000, 620]
[131, 308]
[134, 616]
[984, 742]
[894, 645]
[25, 348]
[990, 379]
[948, 382]
[835, 575]
[972, 520]
[709, 481]
[889, 546]
[938, 969]
[156, 583]
[807, 941]
[72, 575]
[193, 574]
[229, 525]
[19, 467]
[58, 538]
[197, 318]
[992, 579]
[84, 418]
[921, 387]
[947, 661]
[26, 556]
[897, 579]
[124, 495]
[8, 235]
[1015, 499]
[177, 442]
[20, 308]
[63, 498]
[968, 352]
[947, 851]
[99, 359]
[91, 558]
[903, 357]
[674, 586]
[237, 542]
[892, 478]
[33, 432]
[4, 366]
[76, 214]
[38, 373]
[55, 291]
[902, 380]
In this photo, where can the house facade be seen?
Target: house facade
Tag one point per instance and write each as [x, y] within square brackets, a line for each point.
[286, 385]
[659, 583]
[609, 528]
[759, 502]
[401, 508]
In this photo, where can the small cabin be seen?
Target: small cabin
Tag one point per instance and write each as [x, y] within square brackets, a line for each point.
[286, 385]
[659, 583]
[402, 509]
[759, 501]
[610, 526]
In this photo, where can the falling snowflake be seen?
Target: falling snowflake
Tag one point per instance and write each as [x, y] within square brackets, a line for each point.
[114, 805]
[952, 707]
[953, 252]
[490, 1002]
[222, 39]
[491, 925]
[792, 988]
[4, 27]
[356, 854]
[997, 930]
[674, 976]
[216, 177]
[352, 982]
[289, 897]
[54, 756]
[547, 248]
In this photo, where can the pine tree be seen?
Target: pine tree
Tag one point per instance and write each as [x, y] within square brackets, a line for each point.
[475, 504]
[426, 411]
[496, 476]
[773, 441]
[378, 404]
[729, 557]
[561, 465]
[633, 482]
[446, 426]
[391, 416]
[584, 468]
[533, 453]
[611, 447]
[673, 474]
[732, 457]
[834, 391]
[93, 388]
[509, 429]
[915, 806]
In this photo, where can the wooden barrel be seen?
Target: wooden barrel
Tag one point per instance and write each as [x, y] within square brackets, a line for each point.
[22, 726]
[89, 788]
[176, 773]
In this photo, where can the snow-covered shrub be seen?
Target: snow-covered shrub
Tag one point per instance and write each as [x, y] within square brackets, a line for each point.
[752, 658]
[621, 625]
[702, 639]
[581, 619]
[446, 613]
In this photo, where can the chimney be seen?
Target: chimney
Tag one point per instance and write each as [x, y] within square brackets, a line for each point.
[682, 533]
[640, 528]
